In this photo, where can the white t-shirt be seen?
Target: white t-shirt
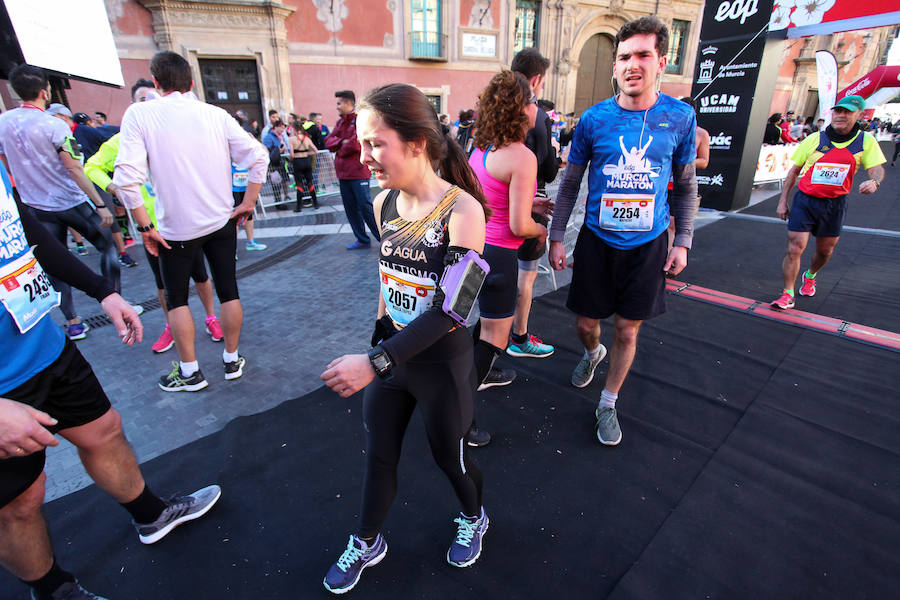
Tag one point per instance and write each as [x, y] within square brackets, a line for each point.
[31, 139]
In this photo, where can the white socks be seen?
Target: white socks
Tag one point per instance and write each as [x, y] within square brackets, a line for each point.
[229, 357]
[608, 399]
[189, 368]
[593, 354]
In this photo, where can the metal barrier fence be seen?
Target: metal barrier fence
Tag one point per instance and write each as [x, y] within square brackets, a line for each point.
[324, 179]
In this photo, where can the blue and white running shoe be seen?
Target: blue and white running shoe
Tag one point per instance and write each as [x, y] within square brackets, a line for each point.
[344, 574]
[466, 548]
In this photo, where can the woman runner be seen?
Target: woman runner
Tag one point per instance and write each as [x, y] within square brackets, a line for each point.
[422, 356]
[507, 170]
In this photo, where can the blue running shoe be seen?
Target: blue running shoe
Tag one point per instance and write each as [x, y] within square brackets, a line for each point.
[466, 548]
[344, 574]
[78, 331]
[358, 246]
[532, 347]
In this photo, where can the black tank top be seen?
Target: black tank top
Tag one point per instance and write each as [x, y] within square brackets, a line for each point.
[412, 256]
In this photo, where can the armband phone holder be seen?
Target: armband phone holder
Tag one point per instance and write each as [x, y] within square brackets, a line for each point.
[461, 283]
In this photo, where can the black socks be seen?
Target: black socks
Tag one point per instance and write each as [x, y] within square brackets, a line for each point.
[146, 508]
[49, 583]
[520, 339]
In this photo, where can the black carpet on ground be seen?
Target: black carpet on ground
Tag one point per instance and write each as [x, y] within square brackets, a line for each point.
[757, 460]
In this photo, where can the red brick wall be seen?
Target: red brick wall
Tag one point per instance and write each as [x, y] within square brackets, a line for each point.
[464, 85]
[366, 24]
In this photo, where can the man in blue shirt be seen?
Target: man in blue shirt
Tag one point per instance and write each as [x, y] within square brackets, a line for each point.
[47, 387]
[634, 142]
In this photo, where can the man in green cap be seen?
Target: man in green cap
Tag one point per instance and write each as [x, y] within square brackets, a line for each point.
[825, 161]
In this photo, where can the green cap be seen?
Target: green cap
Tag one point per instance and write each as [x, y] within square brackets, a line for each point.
[851, 103]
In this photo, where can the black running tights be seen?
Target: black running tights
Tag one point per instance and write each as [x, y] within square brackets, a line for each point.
[442, 388]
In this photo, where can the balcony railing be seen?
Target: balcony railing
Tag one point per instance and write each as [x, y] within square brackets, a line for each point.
[427, 45]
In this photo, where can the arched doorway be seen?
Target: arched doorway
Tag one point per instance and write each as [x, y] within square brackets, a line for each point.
[594, 72]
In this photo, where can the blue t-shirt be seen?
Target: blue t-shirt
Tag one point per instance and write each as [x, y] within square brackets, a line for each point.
[631, 153]
[24, 354]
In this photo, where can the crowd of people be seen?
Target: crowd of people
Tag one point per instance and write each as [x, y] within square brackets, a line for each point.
[462, 217]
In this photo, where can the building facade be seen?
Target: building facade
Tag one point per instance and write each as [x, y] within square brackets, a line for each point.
[291, 55]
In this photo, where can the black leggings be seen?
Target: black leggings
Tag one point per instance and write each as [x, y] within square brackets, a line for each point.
[86, 221]
[896, 151]
[440, 381]
[303, 179]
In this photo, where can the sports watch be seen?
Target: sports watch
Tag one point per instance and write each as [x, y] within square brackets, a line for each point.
[381, 362]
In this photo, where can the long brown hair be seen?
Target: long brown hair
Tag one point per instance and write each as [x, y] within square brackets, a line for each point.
[501, 119]
[406, 110]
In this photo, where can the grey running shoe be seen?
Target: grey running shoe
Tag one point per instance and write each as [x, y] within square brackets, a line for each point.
[584, 371]
[344, 574]
[497, 377]
[235, 369]
[179, 509]
[176, 382]
[608, 432]
[71, 590]
[466, 548]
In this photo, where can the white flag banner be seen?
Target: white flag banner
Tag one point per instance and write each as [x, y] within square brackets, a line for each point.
[827, 72]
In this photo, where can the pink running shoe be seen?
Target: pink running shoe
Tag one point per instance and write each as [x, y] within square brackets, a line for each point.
[809, 286]
[164, 342]
[785, 302]
[214, 329]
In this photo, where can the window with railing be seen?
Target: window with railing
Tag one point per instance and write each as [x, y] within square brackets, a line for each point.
[435, 101]
[528, 20]
[678, 39]
[426, 35]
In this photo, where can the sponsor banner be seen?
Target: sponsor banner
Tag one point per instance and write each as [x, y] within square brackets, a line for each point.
[827, 77]
[774, 162]
[881, 77]
[732, 41]
[820, 17]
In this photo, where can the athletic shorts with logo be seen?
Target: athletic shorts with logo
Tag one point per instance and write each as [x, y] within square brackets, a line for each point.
[822, 217]
[606, 280]
[69, 392]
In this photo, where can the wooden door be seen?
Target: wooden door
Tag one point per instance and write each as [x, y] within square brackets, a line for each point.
[595, 68]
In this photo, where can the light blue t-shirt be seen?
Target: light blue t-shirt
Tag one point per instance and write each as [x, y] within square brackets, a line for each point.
[31, 139]
[24, 354]
[631, 155]
[239, 178]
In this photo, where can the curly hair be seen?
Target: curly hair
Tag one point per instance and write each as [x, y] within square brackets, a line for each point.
[501, 118]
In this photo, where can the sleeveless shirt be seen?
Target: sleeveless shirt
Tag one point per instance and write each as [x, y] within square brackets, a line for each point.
[412, 256]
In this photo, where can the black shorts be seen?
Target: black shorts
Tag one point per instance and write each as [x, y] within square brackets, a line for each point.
[198, 273]
[177, 263]
[69, 392]
[606, 280]
[822, 217]
[530, 249]
[497, 299]
[238, 198]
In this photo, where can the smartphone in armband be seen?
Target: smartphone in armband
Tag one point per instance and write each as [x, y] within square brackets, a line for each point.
[461, 284]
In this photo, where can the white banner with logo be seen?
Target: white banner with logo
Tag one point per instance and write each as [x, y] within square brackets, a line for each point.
[774, 163]
[827, 73]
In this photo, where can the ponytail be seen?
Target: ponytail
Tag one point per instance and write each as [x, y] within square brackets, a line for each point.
[454, 167]
[406, 110]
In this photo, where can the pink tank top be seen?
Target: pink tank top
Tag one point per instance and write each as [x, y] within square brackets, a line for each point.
[496, 195]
